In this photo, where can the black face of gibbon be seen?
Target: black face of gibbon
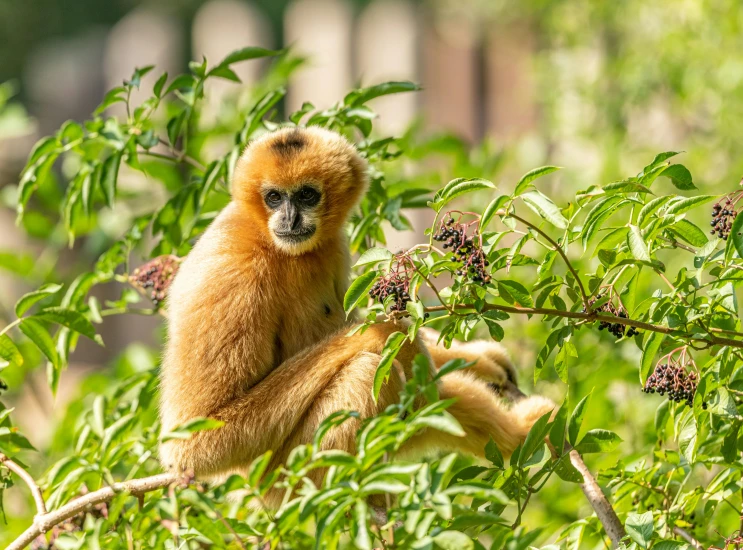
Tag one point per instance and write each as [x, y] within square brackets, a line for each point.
[294, 212]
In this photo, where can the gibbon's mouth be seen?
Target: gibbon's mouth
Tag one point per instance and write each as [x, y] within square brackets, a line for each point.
[297, 235]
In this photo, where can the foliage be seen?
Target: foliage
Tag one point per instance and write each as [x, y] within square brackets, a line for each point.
[625, 255]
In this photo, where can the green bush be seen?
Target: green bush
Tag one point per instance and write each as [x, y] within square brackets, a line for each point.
[624, 256]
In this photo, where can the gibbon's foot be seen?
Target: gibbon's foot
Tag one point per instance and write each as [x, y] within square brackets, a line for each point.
[528, 410]
[482, 415]
[492, 363]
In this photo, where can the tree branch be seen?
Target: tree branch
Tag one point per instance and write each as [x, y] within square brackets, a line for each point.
[559, 250]
[28, 480]
[45, 521]
[593, 316]
[604, 511]
[688, 538]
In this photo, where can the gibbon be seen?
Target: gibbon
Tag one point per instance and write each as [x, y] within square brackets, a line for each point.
[257, 334]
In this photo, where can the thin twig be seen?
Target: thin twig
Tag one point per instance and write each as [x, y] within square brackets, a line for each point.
[230, 529]
[28, 480]
[688, 538]
[46, 521]
[185, 158]
[181, 155]
[604, 511]
[432, 287]
[559, 250]
[677, 244]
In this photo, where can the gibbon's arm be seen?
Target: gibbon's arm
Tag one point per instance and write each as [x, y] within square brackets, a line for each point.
[269, 412]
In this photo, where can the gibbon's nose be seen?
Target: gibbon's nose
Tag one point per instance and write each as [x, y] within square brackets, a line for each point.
[290, 216]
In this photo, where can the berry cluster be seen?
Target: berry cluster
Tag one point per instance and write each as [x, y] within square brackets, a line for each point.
[396, 284]
[617, 329]
[155, 277]
[672, 379]
[393, 285]
[467, 249]
[723, 216]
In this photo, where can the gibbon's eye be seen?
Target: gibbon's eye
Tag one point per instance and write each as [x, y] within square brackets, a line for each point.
[308, 196]
[273, 199]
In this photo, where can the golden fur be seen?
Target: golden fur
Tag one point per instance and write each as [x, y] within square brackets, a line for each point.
[257, 331]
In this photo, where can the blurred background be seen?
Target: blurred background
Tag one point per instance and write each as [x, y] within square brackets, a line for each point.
[596, 87]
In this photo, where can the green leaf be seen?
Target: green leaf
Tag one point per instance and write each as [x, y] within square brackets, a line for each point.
[525, 181]
[650, 208]
[115, 95]
[557, 430]
[186, 430]
[561, 361]
[684, 205]
[679, 176]
[9, 354]
[687, 231]
[493, 454]
[361, 538]
[671, 545]
[443, 422]
[736, 232]
[361, 96]
[358, 289]
[226, 73]
[687, 439]
[453, 540]
[640, 528]
[71, 319]
[546, 209]
[28, 300]
[492, 209]
[451, 366]
[257, 468]
[110, 176]
[517, 291]
[567, 472]
[244, 54]
[576, 420]
[374, 255]
[598, 441]
[116, 430]
[174, 127]
[625, 186]
[659, 159]
[535, 438]
[99, 415]
[158, 87]
[36, 332]
[392, 487]
[391, 348]
[637, 245]
[651, 345]
[457, 188]
[612, 239]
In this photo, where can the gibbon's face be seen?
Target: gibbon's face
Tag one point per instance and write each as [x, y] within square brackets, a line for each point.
[300, 184]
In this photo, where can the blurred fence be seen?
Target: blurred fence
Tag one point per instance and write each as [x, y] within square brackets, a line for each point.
[474, 85]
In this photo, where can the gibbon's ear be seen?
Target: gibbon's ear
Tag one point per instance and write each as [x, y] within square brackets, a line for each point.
[291, 157]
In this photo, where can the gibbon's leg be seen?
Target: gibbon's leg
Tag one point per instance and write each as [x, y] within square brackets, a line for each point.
[482, 415]
[349, 390]
[277, 408]
[492, 363]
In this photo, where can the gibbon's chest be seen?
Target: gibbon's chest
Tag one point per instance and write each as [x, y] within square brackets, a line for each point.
[311, 310]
